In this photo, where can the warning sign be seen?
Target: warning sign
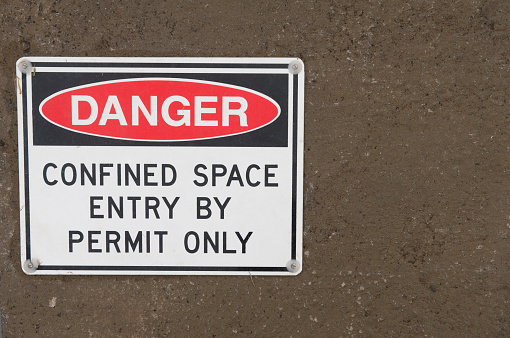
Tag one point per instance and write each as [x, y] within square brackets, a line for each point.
[161, 165]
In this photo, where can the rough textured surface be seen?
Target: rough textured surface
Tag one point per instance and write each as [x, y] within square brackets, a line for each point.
[407, 212]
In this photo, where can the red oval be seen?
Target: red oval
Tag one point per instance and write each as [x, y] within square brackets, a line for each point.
[74, 108]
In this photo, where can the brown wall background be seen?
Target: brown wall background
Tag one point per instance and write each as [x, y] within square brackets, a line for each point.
[407, 212]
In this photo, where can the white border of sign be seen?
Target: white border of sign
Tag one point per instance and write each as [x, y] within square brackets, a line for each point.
[32, 265]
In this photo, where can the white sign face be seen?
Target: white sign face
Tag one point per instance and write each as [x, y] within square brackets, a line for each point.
[172, 166]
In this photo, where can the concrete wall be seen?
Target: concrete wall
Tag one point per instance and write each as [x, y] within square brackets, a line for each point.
[406, 211]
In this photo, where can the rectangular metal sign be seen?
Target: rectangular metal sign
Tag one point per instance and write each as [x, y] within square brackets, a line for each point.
[173, 166]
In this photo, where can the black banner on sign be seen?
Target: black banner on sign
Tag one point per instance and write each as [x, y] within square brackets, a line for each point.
[274, 86]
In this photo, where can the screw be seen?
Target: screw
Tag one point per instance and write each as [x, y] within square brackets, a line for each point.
[30, 265]
[293, 266]
[295, 67]
[24, 65]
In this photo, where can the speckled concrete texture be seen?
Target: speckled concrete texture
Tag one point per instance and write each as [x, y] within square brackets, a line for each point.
[407, 190]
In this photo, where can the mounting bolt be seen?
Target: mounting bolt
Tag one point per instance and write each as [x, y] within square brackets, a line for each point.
[30, 266]
[293, 265]
[296, 66]
[25, 66]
